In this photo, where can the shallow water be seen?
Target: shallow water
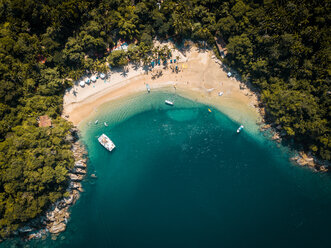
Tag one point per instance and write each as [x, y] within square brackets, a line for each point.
[182, 177]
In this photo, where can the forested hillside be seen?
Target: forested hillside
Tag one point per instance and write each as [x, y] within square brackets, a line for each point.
[283, 47]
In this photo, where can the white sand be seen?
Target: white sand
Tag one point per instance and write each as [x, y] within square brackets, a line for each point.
[201, 78]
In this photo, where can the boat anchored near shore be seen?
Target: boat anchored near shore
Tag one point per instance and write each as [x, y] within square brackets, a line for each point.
[240, 128]
[168, 102]
[148, 88]
[106, 142]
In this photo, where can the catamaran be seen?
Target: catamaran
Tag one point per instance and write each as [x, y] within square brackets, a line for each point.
[106, 142]
[169, 102]
[240, 128]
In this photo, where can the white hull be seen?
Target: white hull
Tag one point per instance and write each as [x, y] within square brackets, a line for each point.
[106, 142]
[240, 128]
[169, 102]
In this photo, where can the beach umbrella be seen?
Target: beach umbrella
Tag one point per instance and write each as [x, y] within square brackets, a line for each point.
[93, 78]
[82, 83]
[102, 75]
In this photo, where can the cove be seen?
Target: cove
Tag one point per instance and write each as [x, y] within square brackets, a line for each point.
[182, 177]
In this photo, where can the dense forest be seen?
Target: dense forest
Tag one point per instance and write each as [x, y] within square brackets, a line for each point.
[282, 47]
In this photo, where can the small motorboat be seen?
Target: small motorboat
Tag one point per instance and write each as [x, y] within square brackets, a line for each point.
[148, 88]
[169, 102]
[96, 122]
[105, 123]
[240, 128]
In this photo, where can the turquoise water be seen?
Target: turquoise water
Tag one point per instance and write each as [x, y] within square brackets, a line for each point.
[182, 177]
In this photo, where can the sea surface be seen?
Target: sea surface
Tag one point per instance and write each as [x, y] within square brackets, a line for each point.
[182, 177]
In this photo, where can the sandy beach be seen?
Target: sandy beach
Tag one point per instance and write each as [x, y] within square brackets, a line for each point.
[200, 78]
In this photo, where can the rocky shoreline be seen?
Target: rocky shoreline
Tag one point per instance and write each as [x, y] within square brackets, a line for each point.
[271, 129]
[56, 217]
[302, 158]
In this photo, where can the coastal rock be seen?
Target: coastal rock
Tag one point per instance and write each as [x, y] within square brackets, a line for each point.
[294, 158]
[93, 176]
[75, 185]
[69, 200]
[25, 229]
[57, 228]
[37, 235]
[80, 164]
[75, 177]
[75, 194]
[262, 111]
[56, 217]
[61, 204]
[78, 170]
[276, 137]
[265, 127]
[304, 159]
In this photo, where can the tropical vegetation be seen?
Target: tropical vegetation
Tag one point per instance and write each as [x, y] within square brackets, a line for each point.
[282, 47]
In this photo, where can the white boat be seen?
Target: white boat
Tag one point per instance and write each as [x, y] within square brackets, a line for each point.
[148, 88]
[220, 93]
[105, 123]
[169, 102]
[240, 128]
[106, 142]
[96, 122]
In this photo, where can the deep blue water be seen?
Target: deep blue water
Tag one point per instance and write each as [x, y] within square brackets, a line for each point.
[182, 177]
